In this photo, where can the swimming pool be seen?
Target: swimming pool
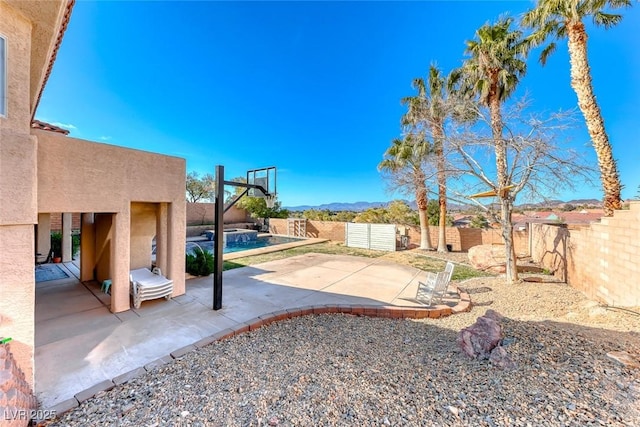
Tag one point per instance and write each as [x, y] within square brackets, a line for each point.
[259, 242]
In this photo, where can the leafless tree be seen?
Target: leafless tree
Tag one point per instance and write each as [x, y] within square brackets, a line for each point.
[539, 162]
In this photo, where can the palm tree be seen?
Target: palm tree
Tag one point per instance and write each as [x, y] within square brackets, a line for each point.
[493, 70]
[429, 108]
[558, 19]
[409, 154]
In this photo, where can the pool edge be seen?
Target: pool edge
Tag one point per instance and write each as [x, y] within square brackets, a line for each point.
[275, 248]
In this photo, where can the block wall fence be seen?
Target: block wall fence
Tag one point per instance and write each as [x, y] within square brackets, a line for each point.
[600, 259]
[202, 213]
[56, 221]
[460, 239]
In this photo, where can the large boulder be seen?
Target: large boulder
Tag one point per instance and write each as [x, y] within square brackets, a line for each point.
[488, 258]
[483, 339]
[478, 340]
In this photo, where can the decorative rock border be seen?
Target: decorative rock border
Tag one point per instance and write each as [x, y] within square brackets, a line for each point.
[386, 311]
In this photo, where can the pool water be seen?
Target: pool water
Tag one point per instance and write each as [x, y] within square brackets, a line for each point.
[260, 242]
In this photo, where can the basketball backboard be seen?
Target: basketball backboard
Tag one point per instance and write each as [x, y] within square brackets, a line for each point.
[265, 177]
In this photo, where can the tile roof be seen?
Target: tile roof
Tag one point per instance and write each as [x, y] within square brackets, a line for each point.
[37, 124]
[571, 217]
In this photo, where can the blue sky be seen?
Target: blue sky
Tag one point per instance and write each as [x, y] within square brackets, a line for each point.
[313, 88]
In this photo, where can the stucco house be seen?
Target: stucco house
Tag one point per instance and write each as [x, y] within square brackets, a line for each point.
[124, 197]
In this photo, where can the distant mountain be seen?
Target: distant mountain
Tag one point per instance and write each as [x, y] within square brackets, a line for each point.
[336, 206]
[561, 203]
[590, 202]
[363, 206]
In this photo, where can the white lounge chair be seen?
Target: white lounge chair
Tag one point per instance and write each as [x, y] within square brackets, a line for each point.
[146, 285]
[435, 287]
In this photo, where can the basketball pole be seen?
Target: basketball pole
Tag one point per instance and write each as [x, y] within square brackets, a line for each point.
[218, 238]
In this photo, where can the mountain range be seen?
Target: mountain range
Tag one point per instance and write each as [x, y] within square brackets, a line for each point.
[363, 206]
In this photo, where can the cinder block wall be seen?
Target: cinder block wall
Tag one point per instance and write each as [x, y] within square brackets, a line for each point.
[15, 393]
[331, 230]
[202, 213]
[56, 221]
[460, 239]
[601, 259]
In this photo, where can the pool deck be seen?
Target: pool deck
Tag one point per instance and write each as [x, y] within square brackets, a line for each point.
[83, 348]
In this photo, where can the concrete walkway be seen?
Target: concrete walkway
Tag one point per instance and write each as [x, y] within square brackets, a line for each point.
[81, 344]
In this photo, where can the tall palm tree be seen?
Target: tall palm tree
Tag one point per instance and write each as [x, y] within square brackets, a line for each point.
[429, 109]
[558, 19]
[493, 70]
[409, 154]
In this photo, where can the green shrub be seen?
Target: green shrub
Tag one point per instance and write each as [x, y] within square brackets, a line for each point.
[75, 245]
[200, 263]
[56, 243]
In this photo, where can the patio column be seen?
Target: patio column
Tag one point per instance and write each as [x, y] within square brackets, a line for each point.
[87, 247]
[120, 259]
[176, 241]
[43, 243]
[66, 237]
[161, 237]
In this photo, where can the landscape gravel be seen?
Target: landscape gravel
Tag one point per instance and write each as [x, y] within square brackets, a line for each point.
[349, 370]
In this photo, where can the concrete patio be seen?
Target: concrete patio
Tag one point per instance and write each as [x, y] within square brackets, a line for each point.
[81, 344]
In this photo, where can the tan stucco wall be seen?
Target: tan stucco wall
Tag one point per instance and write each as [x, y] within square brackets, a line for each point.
[75, 175]
[44, 235]
[17, 293]
[17, 32]
[103, 223]
[44, 18]
[143, 229]
[87, 247]
[18, 212]
[17, 179]
[17, 147]
[81, 176]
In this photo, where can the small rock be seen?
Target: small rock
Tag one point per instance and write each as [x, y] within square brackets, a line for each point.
[500, 358]
[508, 341]
[184, 414]
[273, 421]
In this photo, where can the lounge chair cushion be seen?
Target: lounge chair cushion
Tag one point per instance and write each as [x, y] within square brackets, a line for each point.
[146, 285]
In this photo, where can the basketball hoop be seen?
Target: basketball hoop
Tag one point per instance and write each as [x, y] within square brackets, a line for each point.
[270, 200]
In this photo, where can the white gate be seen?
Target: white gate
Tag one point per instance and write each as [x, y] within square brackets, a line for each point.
[381, 237]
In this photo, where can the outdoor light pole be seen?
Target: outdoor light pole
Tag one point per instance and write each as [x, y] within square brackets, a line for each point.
[218, 237]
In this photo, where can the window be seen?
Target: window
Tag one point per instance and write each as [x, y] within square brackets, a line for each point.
[3, 76]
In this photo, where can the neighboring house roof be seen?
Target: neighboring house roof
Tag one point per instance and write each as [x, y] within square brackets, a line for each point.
[572, 217]
[37, 124]
[63, 27]
[462, 221]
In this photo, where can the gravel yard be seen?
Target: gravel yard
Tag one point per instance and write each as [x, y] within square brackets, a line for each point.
[347, 370]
